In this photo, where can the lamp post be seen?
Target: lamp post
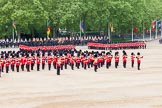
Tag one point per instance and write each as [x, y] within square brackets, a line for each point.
[72, 28]
[109, 31]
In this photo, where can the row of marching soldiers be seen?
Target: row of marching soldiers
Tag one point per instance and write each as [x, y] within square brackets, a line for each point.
[60, 61]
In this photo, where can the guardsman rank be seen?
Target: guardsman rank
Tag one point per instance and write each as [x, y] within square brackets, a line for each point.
[61, 60]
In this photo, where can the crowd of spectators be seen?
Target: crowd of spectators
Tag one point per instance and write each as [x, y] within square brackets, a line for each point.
[56, 41]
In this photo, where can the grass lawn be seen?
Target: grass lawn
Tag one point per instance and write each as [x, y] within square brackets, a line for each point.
[120, 39]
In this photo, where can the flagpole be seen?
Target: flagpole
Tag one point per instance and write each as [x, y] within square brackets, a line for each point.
[13, 31]
[143, 32]
[109, 32]
[46, 28]
[108, 29]
[132, 32]
[150, 33]
[80, 27]
[161, 29]
[156, 30]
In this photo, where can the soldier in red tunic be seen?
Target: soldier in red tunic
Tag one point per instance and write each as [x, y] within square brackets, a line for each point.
[85, 62]
[58, 65]
[82, 58]
[91, 59]
[108, 59]
[54, 61]
[116, 59]
[124, 59]
[99, 61]
[38, 62]
[0, 67]
[12, 63]
[62, 60]
[111, 56]
[66, 60]
[102, 60]
[89, 62]
[139, 57]
[72, 61]
[77, 60]
[132, 59]
[7, 63]
[49, 61]
[28, 62]
[32, 62]
[17, 61]
[23, 62]
[43, 61]
[3, 62]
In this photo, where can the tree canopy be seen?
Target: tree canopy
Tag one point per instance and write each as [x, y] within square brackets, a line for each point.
[31, 15]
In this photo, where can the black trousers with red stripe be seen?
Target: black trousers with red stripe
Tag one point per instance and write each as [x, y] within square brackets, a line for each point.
[124, 64]
[7, 69]
[22, 67]
[82, 64]
[38, 67]
[49, 66]
[78, 65]
[65, 65]
[116, 64]
[43, 66]
[138, 66]
[85, 66]
[28, 67]
[32, 66]
[54, 65]
[95, 68]
[88, 65]
[107, 65]
[17, 68]
[58, 70]
[91, 63]
[2, 68]
[12, 67]
[132, 64]
[62, 66]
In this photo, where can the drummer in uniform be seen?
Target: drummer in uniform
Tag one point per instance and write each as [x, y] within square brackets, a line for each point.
[17, 62]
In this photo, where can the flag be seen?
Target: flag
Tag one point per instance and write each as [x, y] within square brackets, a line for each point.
[154, 25]
[146, 30]
[14, 26]
[82, 26]
[48, 28]
[111, 27]
[135, 30]
[48, 31]
[159, 25]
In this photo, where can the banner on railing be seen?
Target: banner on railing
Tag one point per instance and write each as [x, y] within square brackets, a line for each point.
[59, 47]
[117, 45]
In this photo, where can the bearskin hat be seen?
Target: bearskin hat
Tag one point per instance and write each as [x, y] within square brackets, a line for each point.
[138, 53]
[132, 53]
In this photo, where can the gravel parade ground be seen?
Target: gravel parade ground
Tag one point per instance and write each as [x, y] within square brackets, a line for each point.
[79, 88]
